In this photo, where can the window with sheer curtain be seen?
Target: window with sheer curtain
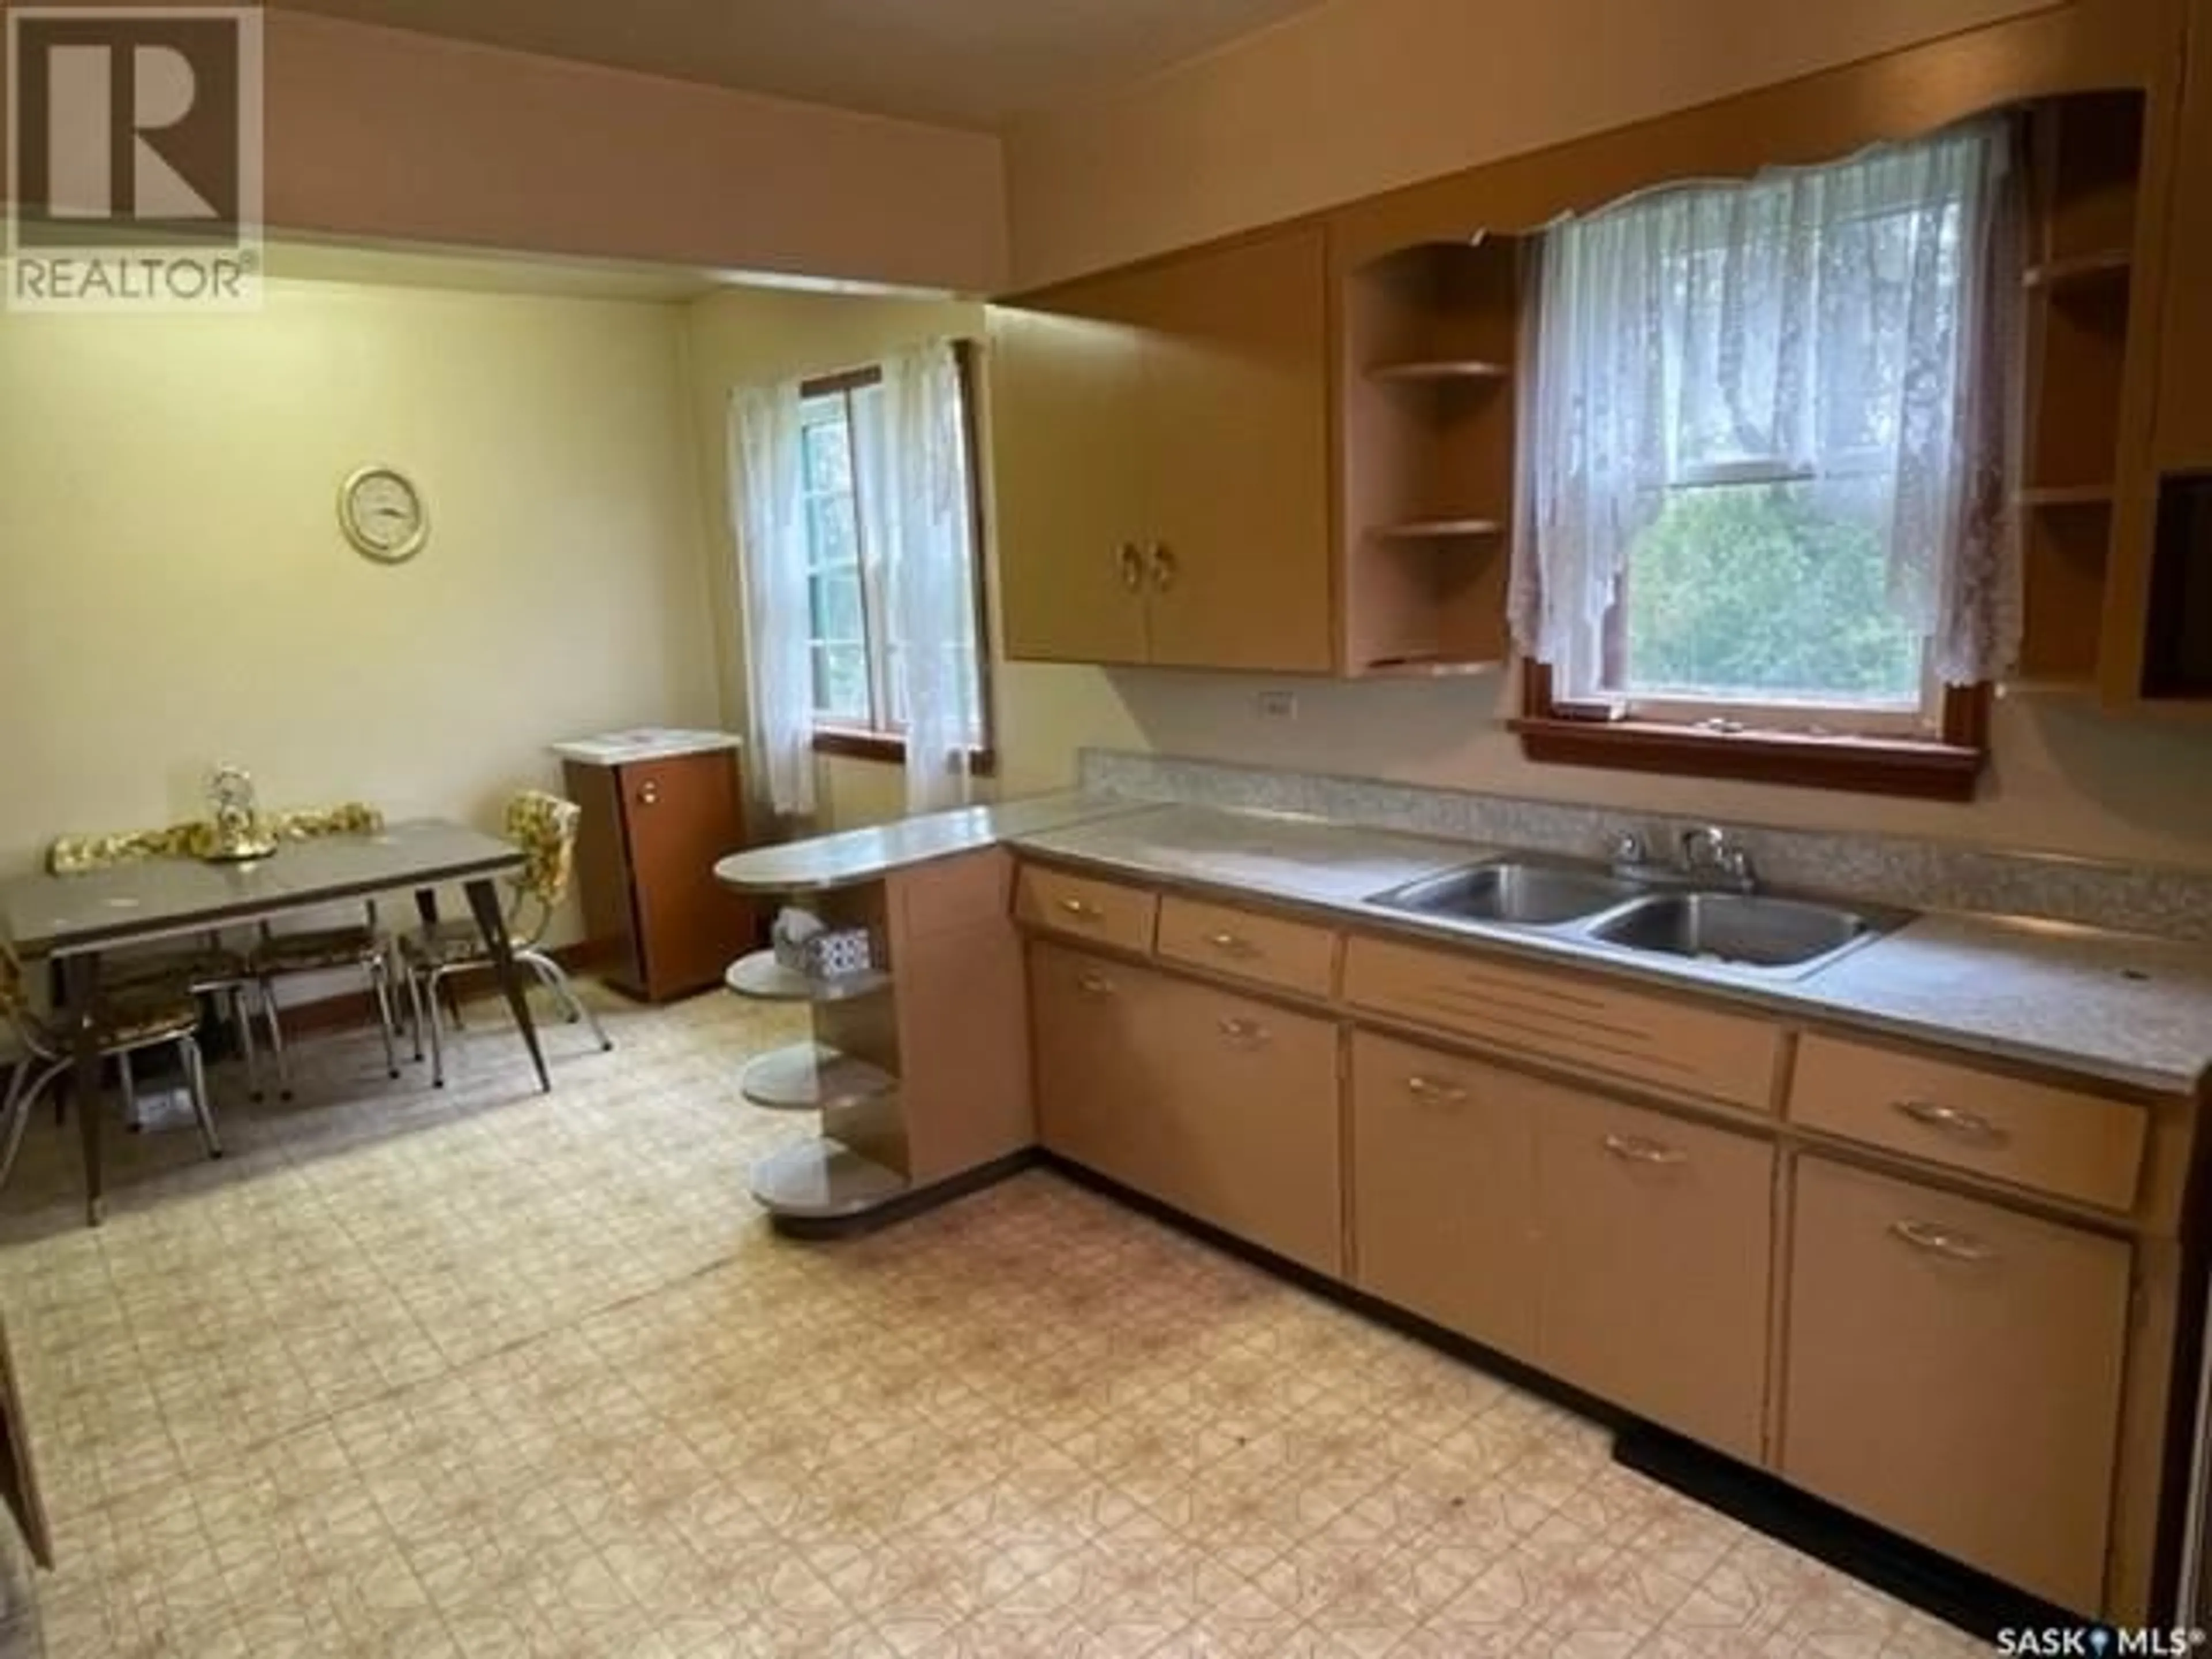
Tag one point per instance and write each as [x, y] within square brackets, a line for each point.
[856, 523]
[1767, 446]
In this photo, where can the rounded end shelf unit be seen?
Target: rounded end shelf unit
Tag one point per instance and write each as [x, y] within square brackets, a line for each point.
[846, 1070]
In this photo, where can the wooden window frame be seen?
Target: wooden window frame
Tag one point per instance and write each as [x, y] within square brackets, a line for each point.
[1945, 767]
[873, 742]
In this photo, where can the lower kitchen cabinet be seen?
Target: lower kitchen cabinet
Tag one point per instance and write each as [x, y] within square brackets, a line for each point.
[1221, 1106]
[1101, 1078]
[1444, 1207]
[1954, 1374]
[1652, 1288]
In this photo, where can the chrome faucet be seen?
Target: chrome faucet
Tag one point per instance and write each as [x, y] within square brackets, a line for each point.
[1709, 853]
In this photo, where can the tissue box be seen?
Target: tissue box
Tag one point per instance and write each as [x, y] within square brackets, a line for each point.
[804, 945]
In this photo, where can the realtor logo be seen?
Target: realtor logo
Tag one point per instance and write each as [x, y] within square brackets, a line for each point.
[134, 158]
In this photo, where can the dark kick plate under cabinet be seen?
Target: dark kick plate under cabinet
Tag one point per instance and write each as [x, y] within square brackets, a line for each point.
[2178, 658]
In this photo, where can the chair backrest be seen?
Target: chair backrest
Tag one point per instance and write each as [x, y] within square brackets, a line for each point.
[16, 1014]
[545, 826]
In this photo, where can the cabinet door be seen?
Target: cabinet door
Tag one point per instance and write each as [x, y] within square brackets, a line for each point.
[1254, 1133]
[1444, 1160]
[2184, 398]
[683, 816]
[1953, 1373]
[1094, 1026]
[1653, 1292]
[1068, 461]
[1236, 397]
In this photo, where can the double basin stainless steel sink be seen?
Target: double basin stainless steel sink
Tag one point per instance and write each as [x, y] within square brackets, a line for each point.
[1659, 917]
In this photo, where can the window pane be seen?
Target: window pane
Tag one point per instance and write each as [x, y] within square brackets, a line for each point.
[840, 683]
[835, 601]
[828, 447]
[1766, 592]
[832, 537]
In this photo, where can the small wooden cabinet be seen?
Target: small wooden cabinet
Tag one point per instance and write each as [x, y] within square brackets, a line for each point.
[653, 829]
[1652, 1285]
[1161, 454]
[1444, 1158]
[1094, 1023]
[1954, 1373]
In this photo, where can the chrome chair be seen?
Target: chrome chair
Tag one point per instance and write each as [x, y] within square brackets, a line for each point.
[210, 968]
[545, 826]
[364, 948]
[125, 1024]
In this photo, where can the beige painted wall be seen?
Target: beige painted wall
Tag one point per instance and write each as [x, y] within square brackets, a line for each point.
[177, 592]
[386, 134]
[1359, 96]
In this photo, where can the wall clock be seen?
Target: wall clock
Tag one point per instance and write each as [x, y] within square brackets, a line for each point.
[383, 514]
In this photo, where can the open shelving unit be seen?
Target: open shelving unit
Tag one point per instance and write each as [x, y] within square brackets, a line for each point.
[1428, 342]
[847, 1071]
[2085, 161]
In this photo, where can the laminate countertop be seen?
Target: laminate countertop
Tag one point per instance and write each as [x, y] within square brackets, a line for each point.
[2120, 1008]
[852, 857]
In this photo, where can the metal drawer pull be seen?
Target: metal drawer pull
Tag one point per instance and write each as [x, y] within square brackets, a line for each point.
[1637, 1150]
[1954, 1121]
[1248, 1032]
[1132, 566]
[1081, 909]
[1943, 1241]
[1427, 1088]
[1163, 567]
[1231, 945]
[1094, 985]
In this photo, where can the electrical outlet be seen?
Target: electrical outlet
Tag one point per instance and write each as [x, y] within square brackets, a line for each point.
[1278, 705]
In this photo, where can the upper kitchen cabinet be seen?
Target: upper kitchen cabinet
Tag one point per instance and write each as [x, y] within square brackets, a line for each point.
[1161, 441]
[2157, 625]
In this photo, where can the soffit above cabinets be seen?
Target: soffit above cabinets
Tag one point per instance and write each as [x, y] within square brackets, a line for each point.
[977, 63]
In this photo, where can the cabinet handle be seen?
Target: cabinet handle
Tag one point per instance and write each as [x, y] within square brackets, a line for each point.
[1427, 1088]
[1943, 1241]
[1094, 985]
[1132, 566]
[649, 794]
[1081, 909]
[1231, 945]
[1952, 1120]
[1637, 1150]
[1163, 567]
[1246, 1033]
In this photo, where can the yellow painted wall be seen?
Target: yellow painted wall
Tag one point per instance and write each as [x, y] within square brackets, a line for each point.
[176, 591]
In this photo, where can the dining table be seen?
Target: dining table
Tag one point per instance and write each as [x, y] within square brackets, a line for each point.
[73, 921]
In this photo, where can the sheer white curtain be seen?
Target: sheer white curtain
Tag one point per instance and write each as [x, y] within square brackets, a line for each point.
[917, 524]
[769, 515]
[1850, 327]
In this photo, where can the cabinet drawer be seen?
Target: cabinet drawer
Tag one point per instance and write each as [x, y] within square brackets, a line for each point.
[1443, 1167]
[1656, 1239]
[2030, 1134]
[1577, 1022]
[1103, 912]
[1953, 1373]
[1264, 949]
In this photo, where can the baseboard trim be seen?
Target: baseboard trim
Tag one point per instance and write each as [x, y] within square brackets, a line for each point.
[907, 1206]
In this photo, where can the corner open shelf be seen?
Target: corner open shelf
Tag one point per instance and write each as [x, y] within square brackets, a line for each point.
[1426, 530]
[2080, 270]
[832, 1178]
[1447, 370]
[764, 979]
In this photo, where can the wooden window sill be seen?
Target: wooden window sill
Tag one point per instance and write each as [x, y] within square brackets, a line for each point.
[891, 750]
[1929, 768]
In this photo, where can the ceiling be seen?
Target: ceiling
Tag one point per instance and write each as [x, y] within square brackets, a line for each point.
[964, 62]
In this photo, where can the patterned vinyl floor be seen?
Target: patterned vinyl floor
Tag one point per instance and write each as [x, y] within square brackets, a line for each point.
[484, 1373]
